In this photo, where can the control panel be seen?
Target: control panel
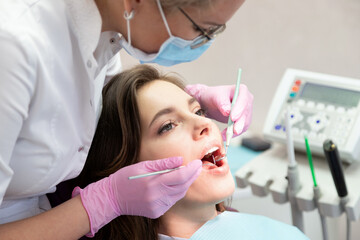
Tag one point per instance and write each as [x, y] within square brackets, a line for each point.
[321, 107]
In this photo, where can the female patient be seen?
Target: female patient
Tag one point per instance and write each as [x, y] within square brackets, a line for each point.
[147, 115]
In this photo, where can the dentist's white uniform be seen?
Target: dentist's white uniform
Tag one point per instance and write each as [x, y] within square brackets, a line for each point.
[54, 61]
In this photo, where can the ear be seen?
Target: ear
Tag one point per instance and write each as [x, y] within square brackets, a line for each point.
[129, 5]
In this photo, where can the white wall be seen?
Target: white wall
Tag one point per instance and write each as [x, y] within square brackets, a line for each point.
[266, 37]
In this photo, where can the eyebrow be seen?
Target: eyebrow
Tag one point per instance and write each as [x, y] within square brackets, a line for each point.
[191, 100]
[169, 110]
[213, 23]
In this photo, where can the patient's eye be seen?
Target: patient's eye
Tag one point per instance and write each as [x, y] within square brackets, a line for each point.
[200, 112]
[166, 127]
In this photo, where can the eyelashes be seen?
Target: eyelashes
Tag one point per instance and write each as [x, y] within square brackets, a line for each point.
[166, 127]
[170, 125]
[201, 112]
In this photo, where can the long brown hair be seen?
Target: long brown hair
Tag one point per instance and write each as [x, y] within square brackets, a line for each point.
[116, 144]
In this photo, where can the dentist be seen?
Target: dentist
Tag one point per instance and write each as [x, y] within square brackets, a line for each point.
[55, 57]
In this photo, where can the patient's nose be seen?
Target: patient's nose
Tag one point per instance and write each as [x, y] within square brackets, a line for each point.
[202, 127]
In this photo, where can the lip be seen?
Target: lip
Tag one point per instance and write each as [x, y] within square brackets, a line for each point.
[215, 170]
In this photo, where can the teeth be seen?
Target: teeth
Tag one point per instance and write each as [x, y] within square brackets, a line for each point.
[211, 150]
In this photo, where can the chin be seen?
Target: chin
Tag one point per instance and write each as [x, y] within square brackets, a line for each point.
[228, 191]
[213, 190]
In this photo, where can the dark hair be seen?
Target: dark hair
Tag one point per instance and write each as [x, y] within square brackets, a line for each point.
[116, 144]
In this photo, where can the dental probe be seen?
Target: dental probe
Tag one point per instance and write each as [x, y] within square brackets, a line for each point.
[230, 128]
[333, 159]
[220, 158]
[316, 190]
[154, 173]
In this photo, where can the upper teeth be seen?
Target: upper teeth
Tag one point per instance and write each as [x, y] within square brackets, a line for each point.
[211, 150]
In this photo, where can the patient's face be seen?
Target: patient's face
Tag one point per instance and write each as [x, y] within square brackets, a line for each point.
[173, 124]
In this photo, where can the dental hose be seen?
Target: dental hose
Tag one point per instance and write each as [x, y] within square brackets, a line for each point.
[316, 190]
[317, 195]
[343, 201]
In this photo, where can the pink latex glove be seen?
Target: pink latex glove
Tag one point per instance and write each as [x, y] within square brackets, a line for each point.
[217, 103]
[150, 196]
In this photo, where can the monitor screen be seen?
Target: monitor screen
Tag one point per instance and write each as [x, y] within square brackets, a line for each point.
[330, 95]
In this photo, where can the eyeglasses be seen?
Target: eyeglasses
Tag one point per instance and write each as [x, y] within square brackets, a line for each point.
[206, 34]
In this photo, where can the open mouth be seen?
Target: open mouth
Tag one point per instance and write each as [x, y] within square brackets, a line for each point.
[213, 157]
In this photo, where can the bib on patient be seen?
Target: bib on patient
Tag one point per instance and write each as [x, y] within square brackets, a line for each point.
[234, 225]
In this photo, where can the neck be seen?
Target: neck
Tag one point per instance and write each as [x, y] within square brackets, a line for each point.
[111, 15]
[183, 220]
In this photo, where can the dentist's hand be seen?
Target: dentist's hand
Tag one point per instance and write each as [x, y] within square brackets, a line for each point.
[217, 103]
[150, 196]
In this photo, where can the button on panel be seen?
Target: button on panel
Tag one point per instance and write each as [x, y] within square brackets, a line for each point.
[310, 104]
[318, 122]
[330, 108]
[340, 110]
[351, 111]
[295, 88]
[278, 127]
[295, 116]
[320, 106]
[300, 102]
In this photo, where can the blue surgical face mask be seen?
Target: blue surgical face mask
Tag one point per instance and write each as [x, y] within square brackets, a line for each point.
[173, 51]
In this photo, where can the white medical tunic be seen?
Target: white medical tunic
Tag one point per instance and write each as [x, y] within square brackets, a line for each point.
[54, 61]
